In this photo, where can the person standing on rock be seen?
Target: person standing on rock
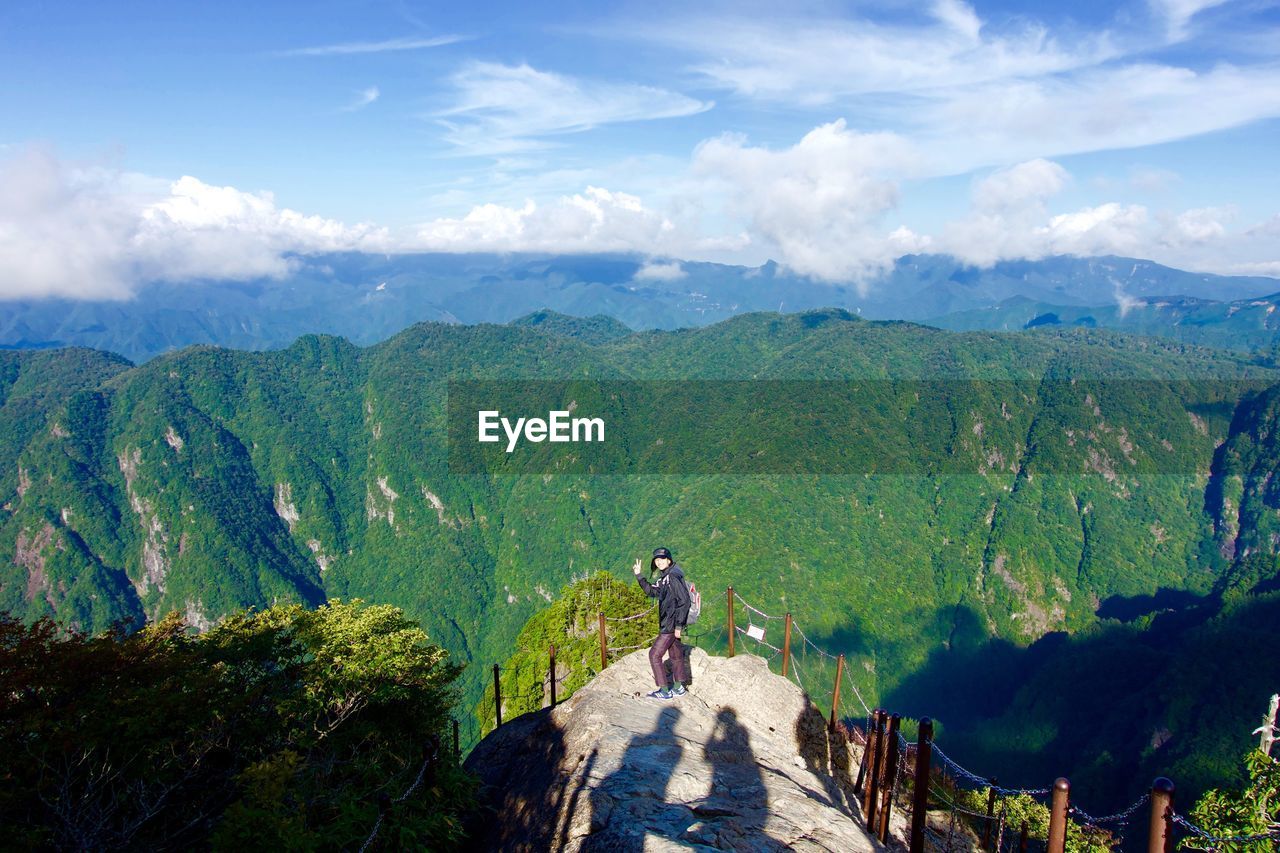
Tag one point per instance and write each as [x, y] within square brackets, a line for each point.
[673, 611]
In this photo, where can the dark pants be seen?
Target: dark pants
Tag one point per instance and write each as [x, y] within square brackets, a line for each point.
[664, 645]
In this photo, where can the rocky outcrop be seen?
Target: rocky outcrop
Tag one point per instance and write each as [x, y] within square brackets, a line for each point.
[743, 761]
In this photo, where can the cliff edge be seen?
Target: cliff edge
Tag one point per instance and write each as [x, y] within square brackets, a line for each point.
[743, 761]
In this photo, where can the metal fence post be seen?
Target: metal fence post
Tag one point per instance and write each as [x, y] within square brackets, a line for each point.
[786, 647]
[991, 810]
[920, 796]
[890, 776]
[1058, 815]
[835, 695]
[604, 645]
[732, 630]
[1160, 834]
[497, 698]
[873, 770]
[552, 675]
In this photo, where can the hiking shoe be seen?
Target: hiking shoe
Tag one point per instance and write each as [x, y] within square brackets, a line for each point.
[661, 693]
[679, 690]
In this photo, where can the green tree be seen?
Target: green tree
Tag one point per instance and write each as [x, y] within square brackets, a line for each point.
[571, 623]
[283, 728]
[1254, 811]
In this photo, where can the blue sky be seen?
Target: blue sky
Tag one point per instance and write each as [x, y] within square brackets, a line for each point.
[209, 139]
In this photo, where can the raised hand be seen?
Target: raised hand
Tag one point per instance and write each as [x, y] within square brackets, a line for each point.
[637, 568]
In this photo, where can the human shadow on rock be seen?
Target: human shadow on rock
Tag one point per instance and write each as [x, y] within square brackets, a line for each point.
[630, 802]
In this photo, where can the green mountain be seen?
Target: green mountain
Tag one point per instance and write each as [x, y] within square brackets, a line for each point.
[996, 488]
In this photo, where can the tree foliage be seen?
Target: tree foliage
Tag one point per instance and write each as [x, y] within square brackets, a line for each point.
[571, 624]
[280, 728]
[1253, 811]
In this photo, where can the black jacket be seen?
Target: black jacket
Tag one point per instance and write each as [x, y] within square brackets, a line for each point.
[673, 598]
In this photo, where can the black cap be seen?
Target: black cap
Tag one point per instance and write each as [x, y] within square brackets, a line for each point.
[659, 552]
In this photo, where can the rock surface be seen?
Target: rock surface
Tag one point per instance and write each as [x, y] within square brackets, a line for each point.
[743, 761]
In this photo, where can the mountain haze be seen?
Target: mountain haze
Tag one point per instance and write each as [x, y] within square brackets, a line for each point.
[367, 298]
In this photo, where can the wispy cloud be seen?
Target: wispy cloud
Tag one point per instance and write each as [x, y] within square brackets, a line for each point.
[975, 93]
[1177, 14]
[354, 47]
[364, 99]
[821, 61]
[506, 108]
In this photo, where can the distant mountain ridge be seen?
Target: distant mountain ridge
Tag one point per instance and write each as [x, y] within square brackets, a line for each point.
[368, 298]
[1242, 324]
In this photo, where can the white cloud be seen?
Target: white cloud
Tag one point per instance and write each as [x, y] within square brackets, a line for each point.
[506, 108]
[1177, 14]
[821, 201]
[202, 231]
[1009, 218]
[1027, 184]
[358, 47]
[95, 233]
[1108, 229]
[1267, 228]
[971, 93]
[1267, 268]
[1099, 109]
[819, 61]
[364, 99]
[1199, 225]
[596, 220]
[660, 271]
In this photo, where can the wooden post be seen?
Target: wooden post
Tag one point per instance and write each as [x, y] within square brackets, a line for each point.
[732, 629]
[1058, 815]
[882, 763]
[497, 698]
[1160, 834]
[457, 745]
[604, 645]
[835, 695]
[890, 776]
[920, 795]
[866, 750]
[786, 647]
[552, 675]
[1022, 839]
[873, 768]
[991, 810]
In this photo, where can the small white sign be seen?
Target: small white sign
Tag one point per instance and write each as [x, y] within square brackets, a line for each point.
[755, 633]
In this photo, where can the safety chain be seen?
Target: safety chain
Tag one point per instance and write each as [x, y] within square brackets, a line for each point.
[858, 695]
[400, 799]
[986, 783]
[1118, 817]
[632, 648]
[809, 642]
[1271, 835]
[956, 807]
[760, 613]
[632, 616]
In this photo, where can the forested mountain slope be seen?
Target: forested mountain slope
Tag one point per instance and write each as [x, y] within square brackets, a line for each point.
[1080, 469]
